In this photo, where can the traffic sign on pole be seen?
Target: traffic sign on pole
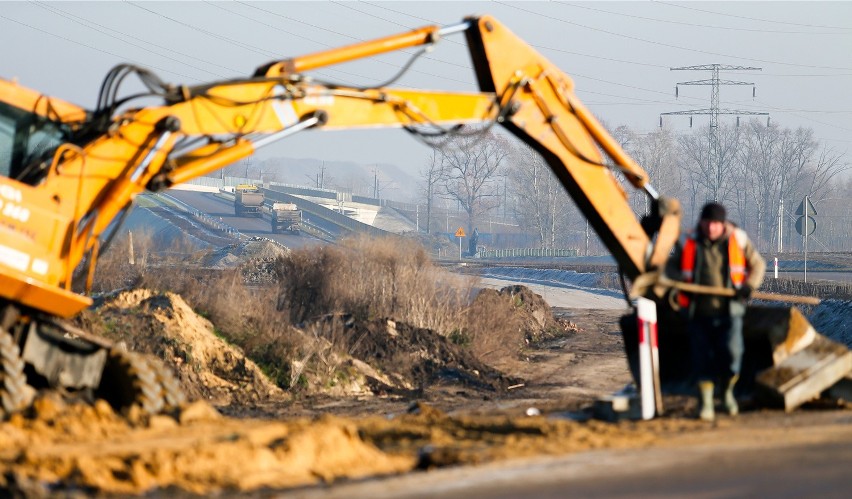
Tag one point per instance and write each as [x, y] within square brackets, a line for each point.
[460, 235]
[810, 207]
[805, 226]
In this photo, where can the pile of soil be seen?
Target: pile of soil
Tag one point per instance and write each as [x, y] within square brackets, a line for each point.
[163, 325]
[255, 257]
[90, 450]
[525, 311]
[397, 358]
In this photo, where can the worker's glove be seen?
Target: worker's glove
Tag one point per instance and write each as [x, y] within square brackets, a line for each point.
[743, 292]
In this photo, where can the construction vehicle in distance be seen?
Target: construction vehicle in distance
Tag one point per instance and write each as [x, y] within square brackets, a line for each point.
[247, 199]
[68, 176]
[286, 216]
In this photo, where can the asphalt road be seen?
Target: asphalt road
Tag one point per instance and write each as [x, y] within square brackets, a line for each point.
[251, 225]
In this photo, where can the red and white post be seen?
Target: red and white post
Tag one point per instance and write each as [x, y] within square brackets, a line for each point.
[649, 359]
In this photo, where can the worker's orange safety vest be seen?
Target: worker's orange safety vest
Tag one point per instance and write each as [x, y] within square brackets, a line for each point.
[736, 264]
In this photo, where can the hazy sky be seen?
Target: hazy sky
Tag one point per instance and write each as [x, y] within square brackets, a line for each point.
[618, 53]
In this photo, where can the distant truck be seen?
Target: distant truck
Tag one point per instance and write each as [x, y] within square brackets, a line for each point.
[247, 199]
[286, 216]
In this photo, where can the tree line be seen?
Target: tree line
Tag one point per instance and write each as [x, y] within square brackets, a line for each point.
[762, 173]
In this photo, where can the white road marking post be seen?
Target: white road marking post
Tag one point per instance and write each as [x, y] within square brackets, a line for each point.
[649, 374]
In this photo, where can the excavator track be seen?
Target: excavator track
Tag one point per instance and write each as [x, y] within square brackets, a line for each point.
[130, 379]
[171, 392]
[15, 393]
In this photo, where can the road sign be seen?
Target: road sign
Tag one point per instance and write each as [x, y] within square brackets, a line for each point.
[460, 232]
[801, 226]
[801, 209]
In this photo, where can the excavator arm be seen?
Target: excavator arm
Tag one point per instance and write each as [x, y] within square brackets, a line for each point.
[91, 179]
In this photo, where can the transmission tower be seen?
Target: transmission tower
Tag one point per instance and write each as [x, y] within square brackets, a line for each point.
[714, 111]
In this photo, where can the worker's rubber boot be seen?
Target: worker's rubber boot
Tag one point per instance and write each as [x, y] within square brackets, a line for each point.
[707, 412]
[730, 401]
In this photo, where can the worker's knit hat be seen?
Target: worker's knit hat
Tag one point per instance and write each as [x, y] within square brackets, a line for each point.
[713, 211]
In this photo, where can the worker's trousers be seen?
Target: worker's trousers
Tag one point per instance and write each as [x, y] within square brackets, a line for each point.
[717, 346]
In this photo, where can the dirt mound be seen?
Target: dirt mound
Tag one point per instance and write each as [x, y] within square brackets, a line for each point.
[165, 326]
[87, 449]
[523, 310]
[394, 357]
[255, 248]
[255, 257]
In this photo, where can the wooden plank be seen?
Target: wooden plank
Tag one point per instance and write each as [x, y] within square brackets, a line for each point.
[804, 375]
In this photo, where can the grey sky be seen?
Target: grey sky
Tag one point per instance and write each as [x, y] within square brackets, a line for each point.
[618, 53]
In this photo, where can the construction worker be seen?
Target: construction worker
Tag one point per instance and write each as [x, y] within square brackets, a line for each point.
[719, 255]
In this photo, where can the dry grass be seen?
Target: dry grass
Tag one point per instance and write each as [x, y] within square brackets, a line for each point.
[361, 277]
[394, 278]
[372, 278]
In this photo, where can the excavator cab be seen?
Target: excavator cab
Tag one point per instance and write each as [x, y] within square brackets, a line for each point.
[27, 140]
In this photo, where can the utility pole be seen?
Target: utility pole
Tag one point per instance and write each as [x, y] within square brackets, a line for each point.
[714, 160]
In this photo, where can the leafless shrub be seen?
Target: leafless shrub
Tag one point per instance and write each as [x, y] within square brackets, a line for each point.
[491, 327]
[371, 278]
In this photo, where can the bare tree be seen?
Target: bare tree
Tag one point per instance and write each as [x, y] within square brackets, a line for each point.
[656, 153]
[471, 165]
[759, 175]
[715, 181]
[540, 197]
[432, 175]
[823, 171]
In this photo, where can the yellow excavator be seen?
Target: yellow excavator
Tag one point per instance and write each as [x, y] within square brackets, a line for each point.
[69, 175]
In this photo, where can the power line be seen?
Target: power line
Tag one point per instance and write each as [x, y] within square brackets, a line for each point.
[340, 34]
[541, 47]
[748, 18]
[93, 48]
[621, 35]
[244, 45]
[633, 16]
[91, 25]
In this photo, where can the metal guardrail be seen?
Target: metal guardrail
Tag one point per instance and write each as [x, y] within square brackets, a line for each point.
[528, 252]
[202, 217]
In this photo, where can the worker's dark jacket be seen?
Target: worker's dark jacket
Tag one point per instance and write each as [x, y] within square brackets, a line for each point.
[712, 268]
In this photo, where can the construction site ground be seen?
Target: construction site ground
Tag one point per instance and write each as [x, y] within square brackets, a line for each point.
[395, 445]
[520, 427]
